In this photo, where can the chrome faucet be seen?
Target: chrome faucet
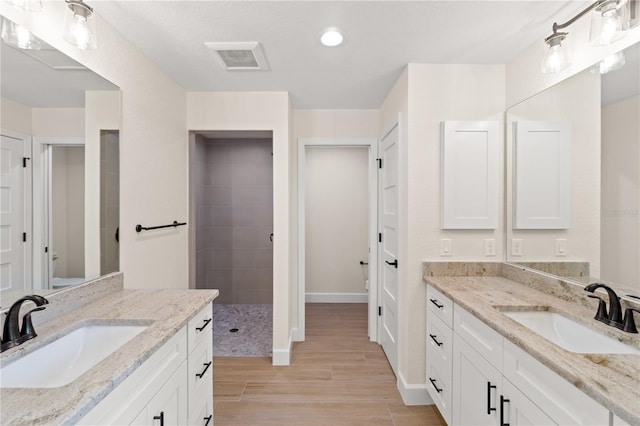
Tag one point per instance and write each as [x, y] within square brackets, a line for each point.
[12, 335]
[614, 317]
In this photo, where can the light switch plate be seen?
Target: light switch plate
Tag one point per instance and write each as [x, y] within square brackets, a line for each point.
[561, 247]
[489, 247]
[516, 247]
[445, 247]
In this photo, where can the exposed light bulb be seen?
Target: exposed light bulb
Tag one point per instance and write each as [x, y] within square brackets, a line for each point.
[556, 58]
[79, 27]
[612, 62]
[28, 5]
[17, 36]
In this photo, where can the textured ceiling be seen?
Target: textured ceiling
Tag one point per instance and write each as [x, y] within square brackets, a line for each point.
[381, 38]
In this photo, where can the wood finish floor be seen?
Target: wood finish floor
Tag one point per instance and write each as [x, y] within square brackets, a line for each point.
[336, 378]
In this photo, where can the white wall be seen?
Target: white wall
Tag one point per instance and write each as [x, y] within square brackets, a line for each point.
[337, 219]
[577, 101]
[153, 147]
[438, 93]
[621, 192]
[15, 116]
[260, 111]
[57, 122]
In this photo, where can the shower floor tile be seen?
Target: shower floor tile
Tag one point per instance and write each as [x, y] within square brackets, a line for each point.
[253, 325]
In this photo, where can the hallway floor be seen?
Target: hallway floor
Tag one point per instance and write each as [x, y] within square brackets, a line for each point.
[337, 377]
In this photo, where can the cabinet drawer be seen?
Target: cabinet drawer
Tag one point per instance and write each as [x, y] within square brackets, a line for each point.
[200, 327]
[560, 400]
[439, 388]
[439, 342]
[202, 415]
[200, 375]
[440, 305]
[485, 340]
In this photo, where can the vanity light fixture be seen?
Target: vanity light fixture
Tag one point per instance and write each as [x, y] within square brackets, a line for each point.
[331, 37]
[28, 5]
[17, 36]
[80, 25]
[609, 22]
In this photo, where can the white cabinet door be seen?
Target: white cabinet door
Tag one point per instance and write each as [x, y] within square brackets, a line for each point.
[477, 387]
[518, 410]
[169, 405]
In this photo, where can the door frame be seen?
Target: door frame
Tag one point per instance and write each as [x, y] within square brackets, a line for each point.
[372, 144]
[42, 262]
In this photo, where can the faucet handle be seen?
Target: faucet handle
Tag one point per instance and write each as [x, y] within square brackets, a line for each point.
[629, 324]
[602, 314]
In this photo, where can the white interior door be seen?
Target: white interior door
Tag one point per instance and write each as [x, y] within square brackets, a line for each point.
[388, 228]
[12, 226]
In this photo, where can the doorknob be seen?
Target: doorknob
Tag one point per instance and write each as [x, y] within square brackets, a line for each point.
[394, 263]
[271, 237]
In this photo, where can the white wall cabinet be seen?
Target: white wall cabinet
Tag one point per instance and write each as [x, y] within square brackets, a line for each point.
[494, 382]
[173, 387]
[470, 174]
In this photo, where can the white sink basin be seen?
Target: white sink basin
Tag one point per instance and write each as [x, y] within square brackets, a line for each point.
[67, 358]
[569, 334]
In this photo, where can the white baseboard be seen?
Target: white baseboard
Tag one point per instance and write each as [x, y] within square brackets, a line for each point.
[413, 394]
[295, 335]
[336, 297]
[283, 356]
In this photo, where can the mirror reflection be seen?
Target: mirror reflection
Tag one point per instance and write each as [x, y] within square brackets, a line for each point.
[573, 192]
[59, 187]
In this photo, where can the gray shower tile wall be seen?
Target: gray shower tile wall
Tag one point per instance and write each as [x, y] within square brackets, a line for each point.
[234, 219]
[109, 200]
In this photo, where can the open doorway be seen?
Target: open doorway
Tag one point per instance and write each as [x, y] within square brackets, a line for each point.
[231, 190]
[337, 222]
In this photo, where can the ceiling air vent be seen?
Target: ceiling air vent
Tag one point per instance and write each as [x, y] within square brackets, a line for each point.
[236, 56]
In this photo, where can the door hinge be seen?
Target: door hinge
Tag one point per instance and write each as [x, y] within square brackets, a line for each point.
[379, 237]
[24, 237]
[379, 160]
[379, 311]
[24, 161]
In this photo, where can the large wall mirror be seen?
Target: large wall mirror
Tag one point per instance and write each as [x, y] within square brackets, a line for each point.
[573, 187]
[59, 187]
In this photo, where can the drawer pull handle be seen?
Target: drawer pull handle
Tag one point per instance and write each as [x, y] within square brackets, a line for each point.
[433, 383]
[206, 367]
[160, 417]
[433, 337]
[207, 420]
[435, 302]
[502, 401]
[206, 323]
[489, 387]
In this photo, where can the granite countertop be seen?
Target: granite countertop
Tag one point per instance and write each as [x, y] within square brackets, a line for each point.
[611, 380]
[164, 311]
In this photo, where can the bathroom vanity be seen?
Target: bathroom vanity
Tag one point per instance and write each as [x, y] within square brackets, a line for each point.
[484, 366]
[161, 375]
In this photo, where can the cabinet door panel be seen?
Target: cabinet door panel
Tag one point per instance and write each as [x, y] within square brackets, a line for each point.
[518, 410]
[477, 387]
[169, 405]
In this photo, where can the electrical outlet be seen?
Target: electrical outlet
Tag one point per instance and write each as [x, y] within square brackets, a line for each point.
[516, 247]
[489, 247]
[445, 247]
[561, 247]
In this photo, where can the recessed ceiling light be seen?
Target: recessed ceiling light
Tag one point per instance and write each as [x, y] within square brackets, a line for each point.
[331, 37]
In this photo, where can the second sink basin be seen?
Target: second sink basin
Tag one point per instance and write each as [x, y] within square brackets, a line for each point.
[569, 334]
[67, 358]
